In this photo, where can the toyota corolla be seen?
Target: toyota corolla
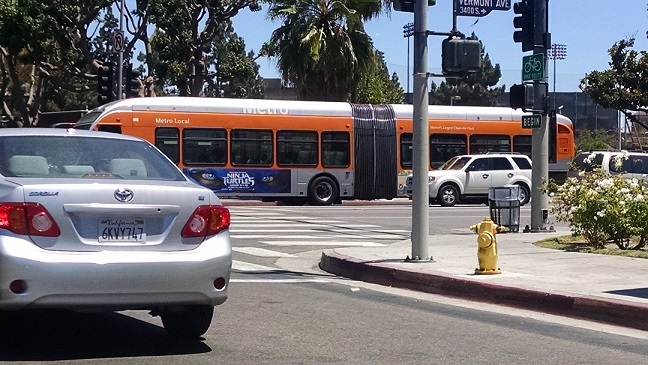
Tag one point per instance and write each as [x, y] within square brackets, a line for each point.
[102, 221]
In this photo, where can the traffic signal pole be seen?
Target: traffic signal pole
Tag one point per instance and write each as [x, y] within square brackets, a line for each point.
[120, 62]
[420, 143]
[540, 136]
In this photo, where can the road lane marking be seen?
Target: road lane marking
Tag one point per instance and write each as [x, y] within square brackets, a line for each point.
[261, 252]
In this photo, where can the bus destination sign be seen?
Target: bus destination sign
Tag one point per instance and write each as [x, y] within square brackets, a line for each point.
[481, 7]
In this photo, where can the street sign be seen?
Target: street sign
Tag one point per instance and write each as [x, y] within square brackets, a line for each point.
[481, 7]
[533, 67]
[118, 41]
[532, 121]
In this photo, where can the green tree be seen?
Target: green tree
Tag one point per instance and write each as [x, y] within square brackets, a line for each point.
[475, 89]
[46, 57]
[322, 47]
[236, 74]
[376, 86]
[599, 139]
[624, 86]
[184, 37]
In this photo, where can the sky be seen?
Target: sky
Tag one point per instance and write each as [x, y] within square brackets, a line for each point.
[588, 28]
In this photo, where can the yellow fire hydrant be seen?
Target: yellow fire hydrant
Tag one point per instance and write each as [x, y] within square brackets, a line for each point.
[487, 246]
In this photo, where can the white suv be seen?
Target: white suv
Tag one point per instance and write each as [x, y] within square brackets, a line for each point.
[471, 176]
[634, 164]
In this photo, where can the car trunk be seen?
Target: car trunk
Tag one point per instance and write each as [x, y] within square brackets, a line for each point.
[119, 216]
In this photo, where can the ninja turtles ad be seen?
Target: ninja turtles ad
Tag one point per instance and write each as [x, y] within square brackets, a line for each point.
[241, 181]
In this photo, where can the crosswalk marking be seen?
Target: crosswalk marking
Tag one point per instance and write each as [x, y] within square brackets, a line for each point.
[242, 266]
[324, 243]
[261, 252]
[299, 224]
[286, 220]
[337, 231]
[280, 281]
[264, 214]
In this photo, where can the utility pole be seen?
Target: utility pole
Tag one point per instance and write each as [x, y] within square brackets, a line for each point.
[420, 143]
[120, 62]
[408, 31]
[540, 136]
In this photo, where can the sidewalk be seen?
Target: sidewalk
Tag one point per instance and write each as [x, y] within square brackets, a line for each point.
[607, 289]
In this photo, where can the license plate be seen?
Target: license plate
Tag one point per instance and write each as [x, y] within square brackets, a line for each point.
[122, 230]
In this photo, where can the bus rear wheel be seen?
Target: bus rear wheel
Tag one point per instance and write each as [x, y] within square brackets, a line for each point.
[323, 191]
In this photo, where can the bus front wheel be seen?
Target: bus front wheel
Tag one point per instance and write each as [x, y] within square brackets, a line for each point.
[323, 191]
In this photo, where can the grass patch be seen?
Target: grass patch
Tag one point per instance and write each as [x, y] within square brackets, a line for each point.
[570, 243]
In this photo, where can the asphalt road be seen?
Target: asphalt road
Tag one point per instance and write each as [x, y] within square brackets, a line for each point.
[283, 310]
[269, 320]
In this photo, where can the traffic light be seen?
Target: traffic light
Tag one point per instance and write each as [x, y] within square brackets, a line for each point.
[524, 24]
[521, 96]
[105, 83]
[408, 5]
[132, 82]
[460, 56]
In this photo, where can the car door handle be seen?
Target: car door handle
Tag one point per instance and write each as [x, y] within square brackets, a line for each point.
[485, 176]
[510, 174]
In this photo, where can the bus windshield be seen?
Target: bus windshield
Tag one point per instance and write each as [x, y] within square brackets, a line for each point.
[85, 122]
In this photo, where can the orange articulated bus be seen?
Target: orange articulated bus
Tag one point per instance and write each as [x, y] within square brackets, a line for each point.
[320, 151]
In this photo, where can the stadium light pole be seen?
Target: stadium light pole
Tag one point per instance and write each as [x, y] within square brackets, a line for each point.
[556, 52]
[408, 31]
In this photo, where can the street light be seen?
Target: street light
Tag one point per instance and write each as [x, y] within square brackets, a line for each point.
[556, 52]
[454, 98]
[408, 31]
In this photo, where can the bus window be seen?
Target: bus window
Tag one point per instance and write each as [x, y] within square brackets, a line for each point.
[335, 149]
[251, 147]
[113, 128]
[446, 146]
[296, 148]
[522, 144]
[484, 143]
[406, 150]
[167, 140]
[204, 146]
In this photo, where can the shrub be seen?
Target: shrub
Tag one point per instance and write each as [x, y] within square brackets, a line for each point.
[603, 208]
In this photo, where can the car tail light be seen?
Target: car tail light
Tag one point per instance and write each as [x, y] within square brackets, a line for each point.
[28, 218]
[207, 220]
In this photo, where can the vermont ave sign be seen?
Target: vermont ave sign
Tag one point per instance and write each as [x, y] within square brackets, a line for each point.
[480, 7]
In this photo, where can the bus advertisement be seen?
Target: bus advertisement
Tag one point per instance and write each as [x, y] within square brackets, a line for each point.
[320, 152]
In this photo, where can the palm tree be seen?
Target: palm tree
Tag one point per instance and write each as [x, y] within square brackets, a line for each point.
[322, 47]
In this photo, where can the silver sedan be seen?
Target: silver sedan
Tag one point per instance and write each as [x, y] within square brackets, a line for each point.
[94, 220]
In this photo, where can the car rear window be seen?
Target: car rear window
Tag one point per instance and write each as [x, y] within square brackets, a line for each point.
[581, 163]
[81, 156]
[523, 163]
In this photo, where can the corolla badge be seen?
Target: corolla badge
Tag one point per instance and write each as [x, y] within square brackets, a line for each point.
[123, 195]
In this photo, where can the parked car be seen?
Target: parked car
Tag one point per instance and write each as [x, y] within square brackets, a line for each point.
[634, 165]
[103, 221]
[472, 176]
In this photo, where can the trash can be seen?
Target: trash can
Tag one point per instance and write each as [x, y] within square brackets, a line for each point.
[504, 204]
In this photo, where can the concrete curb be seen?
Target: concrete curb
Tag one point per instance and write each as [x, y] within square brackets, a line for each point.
[604, 310]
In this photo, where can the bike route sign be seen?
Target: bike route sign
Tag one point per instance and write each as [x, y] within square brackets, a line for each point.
[533, 67]
[481, 7]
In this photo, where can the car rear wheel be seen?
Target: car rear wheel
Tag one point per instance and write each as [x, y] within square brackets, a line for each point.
[189, 322]
[448, 196]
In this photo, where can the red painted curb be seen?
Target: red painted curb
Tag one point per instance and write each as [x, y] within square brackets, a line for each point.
[611, 311]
